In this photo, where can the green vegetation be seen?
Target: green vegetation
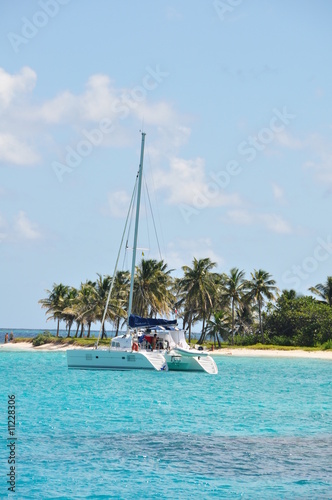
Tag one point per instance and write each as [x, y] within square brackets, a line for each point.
[232, 309]
[48, 338]
[301, 321]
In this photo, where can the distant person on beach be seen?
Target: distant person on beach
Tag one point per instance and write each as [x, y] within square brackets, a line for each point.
[6, 338]
[11, 337]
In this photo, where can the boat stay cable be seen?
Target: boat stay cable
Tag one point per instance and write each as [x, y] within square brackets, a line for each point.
[117, 261]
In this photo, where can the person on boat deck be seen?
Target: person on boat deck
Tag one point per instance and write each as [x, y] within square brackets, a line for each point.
[154, 341]
[6, 338]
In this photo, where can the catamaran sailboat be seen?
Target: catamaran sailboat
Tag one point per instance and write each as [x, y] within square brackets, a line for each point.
[172, 342]
[133, 349]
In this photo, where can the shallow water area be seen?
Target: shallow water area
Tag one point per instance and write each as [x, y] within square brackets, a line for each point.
[259, 429]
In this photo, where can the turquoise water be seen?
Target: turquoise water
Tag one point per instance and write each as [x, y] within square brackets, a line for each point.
[260, 429]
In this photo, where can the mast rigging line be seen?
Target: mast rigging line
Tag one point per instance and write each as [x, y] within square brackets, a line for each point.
[157, 207]
[153, 220]
[117, 260]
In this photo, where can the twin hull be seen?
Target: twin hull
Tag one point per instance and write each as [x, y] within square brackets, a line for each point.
[103, 359]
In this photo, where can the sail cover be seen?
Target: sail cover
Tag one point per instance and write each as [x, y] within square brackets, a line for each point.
[138, 322]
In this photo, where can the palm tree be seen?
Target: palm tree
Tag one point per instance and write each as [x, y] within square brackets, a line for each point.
[288, 294]
[68, 315]
[261, 286]
[55, 303]
[86, 305]
[120, 297]
[197, 291]
[245, 317]
[152, 289]
[234, 288]
[324, 291]
[102, 288]
[219, 326]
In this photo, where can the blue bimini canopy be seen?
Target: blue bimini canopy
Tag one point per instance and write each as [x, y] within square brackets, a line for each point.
[138, 322]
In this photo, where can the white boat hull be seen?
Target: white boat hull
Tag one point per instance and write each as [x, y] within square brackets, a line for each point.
[179, 361]
[105, 359]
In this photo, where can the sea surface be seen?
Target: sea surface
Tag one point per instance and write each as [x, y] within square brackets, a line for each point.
[260, 429]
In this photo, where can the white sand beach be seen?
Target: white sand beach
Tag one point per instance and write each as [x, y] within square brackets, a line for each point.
[273, 353]
[264, 353]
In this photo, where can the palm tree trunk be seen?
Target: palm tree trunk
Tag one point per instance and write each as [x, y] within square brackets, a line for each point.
[57, 331]
[233, 314]
[88, 336]
[69, 328]
[78, 325]
[203, 328]
[260, 320]
[103, 335]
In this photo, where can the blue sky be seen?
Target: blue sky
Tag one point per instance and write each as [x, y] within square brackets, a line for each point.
[235, 99]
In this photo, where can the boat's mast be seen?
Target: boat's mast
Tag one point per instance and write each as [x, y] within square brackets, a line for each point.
[133, 263]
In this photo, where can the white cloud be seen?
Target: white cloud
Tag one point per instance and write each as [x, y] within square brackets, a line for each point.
[117, 204]
[12, 150]
[241, 217]
[18, 229]
[187, 183]
[318, 151]
[275, 223]
[286, 140]
[182, 252]
[12, 86]
[3, 228]
[25, 126]
[102, 99]
[321, 161]
[278, 193]
[24, 228]
[272, 222]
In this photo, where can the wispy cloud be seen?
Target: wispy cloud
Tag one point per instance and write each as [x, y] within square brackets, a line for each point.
[14, 86]
[15, 151]
[278, 193]
[25, 125]
[24, 228]
[3, 228]
[287, 140]
[320, 162]
[181, 252]
[19, 228]
[117, 204]
[272, 222]
[186, 182]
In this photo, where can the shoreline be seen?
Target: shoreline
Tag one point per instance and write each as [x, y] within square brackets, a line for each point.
[263, 353]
